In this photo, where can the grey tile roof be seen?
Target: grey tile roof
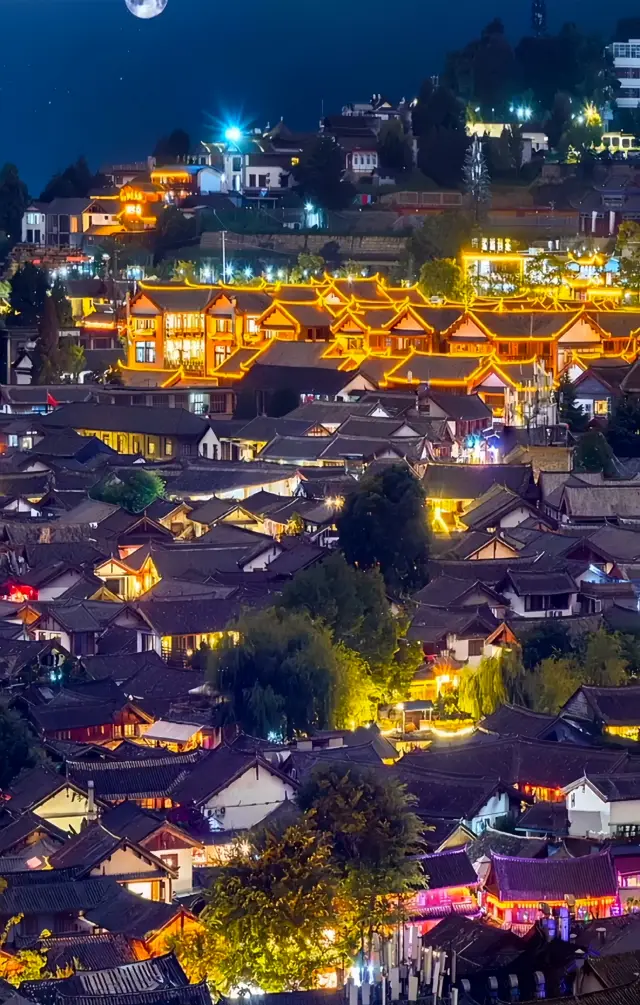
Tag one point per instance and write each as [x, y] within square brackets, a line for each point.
[535, 879]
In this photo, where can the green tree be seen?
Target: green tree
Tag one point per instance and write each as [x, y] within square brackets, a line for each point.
[482, 688]
[173, 231]
[281, 676]
[62, 303]
[554, 681]
[270, 911]
[601, 659]
[14, 199]
[441, 277]
[384, 525]
[375, 837]
[395, 155]
[629, 274]
[320, 175]
[568, 410]
[352, 602]
[46, 362]
[72, 358]
[441, 156]
[593, 453]
[28, 296]
[441, 236]
[485, 72]
[548, 639]
[185, 272]
[623, 428]
[75, 182]
[174, 147]
[18, 747]
[133, 492]
[307, 266]
[477, 183]
[357, 695]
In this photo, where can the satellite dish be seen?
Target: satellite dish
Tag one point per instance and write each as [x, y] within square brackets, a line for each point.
[146, 8]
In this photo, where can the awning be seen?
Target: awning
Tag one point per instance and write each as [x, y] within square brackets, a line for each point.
[174, 732]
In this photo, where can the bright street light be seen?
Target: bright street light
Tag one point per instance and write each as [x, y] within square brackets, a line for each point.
[233, 134]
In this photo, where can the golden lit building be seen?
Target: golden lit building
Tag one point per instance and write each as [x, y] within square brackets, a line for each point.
[511, 351]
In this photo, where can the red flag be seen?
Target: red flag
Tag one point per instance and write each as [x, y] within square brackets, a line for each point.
[52, 401]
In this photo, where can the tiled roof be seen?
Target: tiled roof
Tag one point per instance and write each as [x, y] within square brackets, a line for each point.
[447, 796]
[615, 706]
[91, 951]
[545, 818]
[532, 583]
[515, 720]
[139, 779]
[535, 879]
[448, 868]
[27, 824]
[425, 367]
[127, 419]
[520, 761]
[215, 771]
[477, 945]
[31, 787]
[470, 481]
[54, 897]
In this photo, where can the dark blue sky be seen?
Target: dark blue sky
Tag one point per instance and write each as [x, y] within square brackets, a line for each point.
[85, 76]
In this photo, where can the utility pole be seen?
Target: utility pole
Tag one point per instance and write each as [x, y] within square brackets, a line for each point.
[224, 255]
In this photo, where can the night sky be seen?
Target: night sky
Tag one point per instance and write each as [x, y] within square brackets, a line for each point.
[85, 76]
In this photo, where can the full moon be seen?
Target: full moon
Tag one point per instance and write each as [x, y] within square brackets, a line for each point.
[146, 8]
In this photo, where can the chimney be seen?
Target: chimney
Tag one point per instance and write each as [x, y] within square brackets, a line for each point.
[92, 813]
[602, 936]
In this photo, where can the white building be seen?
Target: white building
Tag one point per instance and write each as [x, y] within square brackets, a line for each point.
[34, 225]
[626, 62]
[604, 806]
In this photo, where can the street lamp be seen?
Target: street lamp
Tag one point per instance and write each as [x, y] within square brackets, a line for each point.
[233, 134]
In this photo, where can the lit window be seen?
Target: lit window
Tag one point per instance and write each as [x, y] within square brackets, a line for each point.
[74, 224]
[145, 352]
[601, 406]
[152, 447]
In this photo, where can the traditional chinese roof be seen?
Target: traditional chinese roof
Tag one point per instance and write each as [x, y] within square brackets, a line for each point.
[470, 481]
[515, 720]
[520, 761]
[448, 868]
[137, 779]
[613, 706]
[545, 818]
[550, 879]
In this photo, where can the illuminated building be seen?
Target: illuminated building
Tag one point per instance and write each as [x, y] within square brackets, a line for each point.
[452, 889]
[509, 351]
[516, 888]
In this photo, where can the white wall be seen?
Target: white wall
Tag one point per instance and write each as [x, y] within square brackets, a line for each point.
[248, 799]
[66, 809]
[496, 807]
[584, 805]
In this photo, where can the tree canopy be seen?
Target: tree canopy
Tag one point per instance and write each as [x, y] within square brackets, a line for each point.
[281, 676]
[320, 175]
[14, 199]
[133, 492]
[270, 909]
[375, 837]
[28, 296]
[174, 147]
[291, 903]
[76, 181]
[384, 525]
[46, 362]
[18, 747]
[350, 601]
[441, 277]
[623, 428]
